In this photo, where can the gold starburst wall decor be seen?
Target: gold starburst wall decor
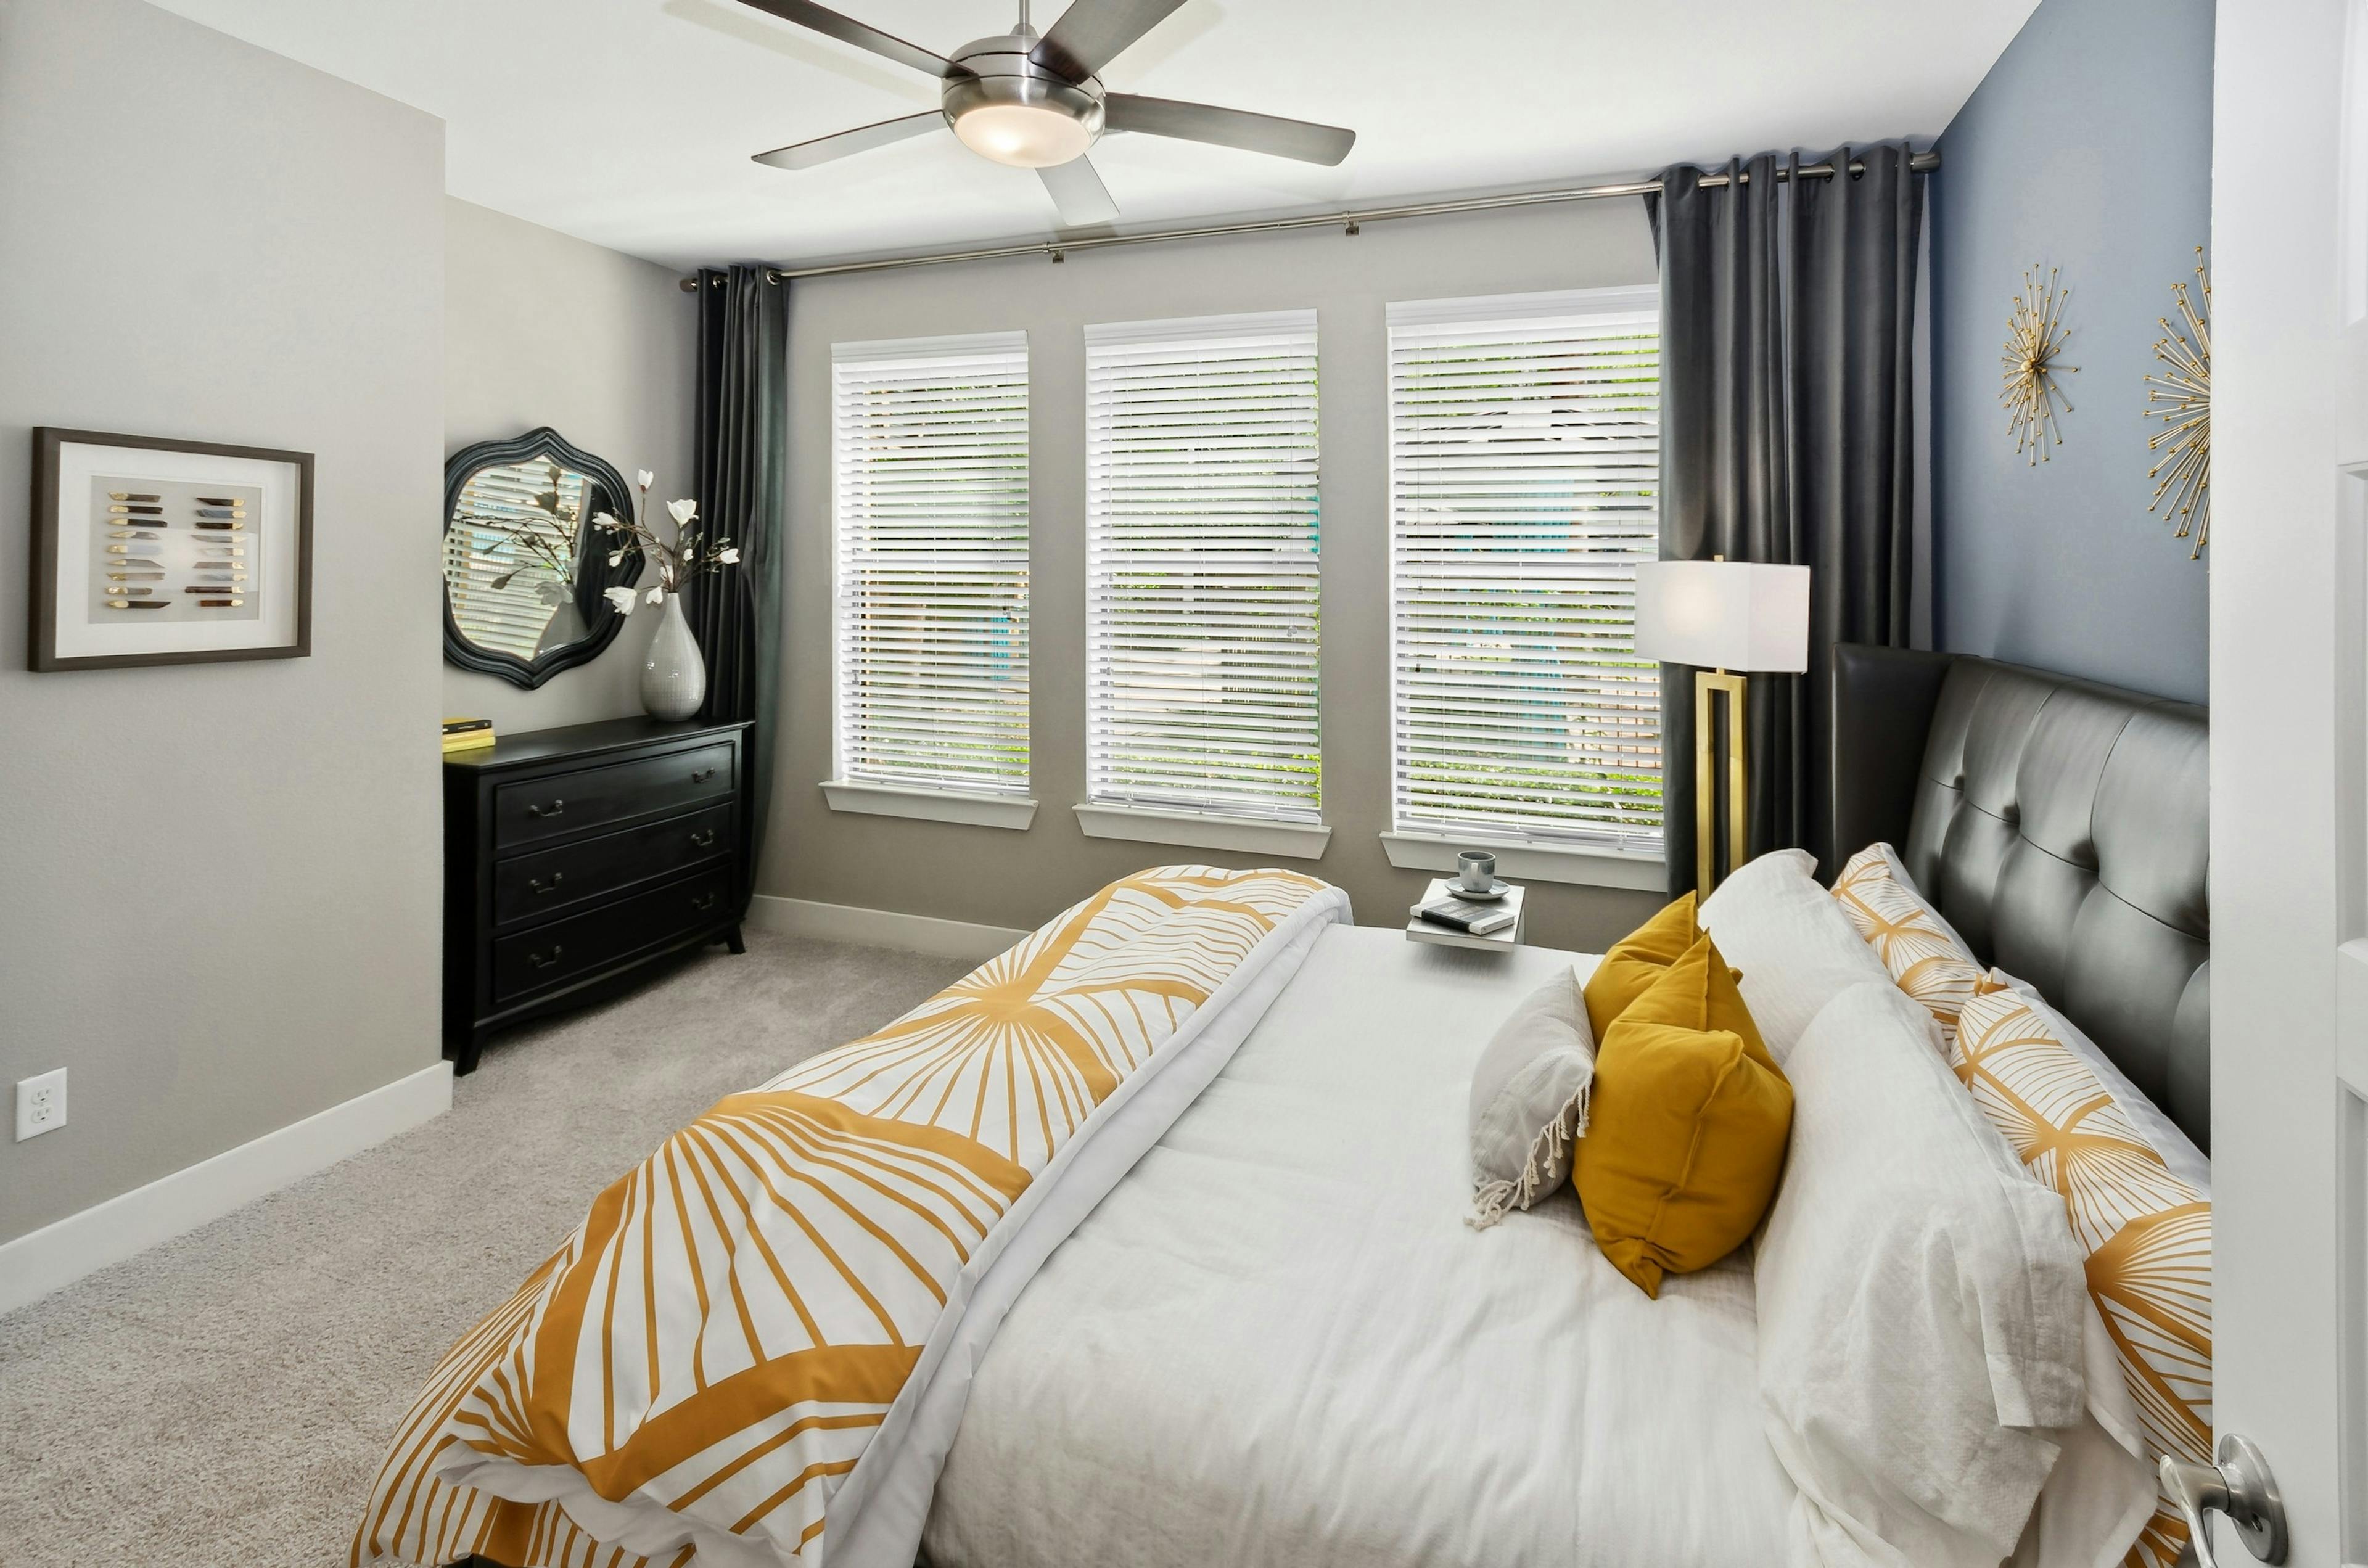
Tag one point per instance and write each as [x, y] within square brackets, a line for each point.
[2181, 396]
[2035, 336]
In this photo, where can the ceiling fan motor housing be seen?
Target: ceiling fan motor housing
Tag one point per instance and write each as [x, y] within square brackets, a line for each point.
[999, 75]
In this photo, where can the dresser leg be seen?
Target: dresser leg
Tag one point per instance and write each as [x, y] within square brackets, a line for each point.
[732, 939]
[465, 1061]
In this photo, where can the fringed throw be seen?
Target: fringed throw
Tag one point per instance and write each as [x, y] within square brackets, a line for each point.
[1549, 1151]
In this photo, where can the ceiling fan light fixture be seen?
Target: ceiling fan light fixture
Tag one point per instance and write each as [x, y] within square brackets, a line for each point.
[1025, 136]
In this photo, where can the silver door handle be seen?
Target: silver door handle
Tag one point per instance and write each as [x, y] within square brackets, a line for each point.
[2240, 1486]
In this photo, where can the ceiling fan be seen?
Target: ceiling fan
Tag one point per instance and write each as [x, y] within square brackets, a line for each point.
[1037, 102]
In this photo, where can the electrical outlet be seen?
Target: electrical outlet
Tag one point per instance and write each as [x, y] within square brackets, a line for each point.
[40, 1103]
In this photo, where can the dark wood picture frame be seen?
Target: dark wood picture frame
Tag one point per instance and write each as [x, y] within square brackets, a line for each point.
[43, 653]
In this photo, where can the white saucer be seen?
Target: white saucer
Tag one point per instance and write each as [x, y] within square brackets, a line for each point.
[1500, 890]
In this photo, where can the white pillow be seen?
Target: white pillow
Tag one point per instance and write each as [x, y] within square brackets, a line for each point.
[1529, 1100]
[1922, 1303]
[1796, 947]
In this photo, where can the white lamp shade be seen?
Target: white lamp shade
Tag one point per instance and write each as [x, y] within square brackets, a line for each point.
[1729, 615]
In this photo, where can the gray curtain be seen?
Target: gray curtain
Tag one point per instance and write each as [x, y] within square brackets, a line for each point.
[592, 574]
[1788, 435]
[743, 437]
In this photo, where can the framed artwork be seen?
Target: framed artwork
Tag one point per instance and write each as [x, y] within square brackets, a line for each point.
[150, 551]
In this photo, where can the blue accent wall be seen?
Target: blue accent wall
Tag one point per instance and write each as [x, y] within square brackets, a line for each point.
[2087, 148]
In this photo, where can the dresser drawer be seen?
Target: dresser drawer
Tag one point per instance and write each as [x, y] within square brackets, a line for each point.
[568, 804]
[550, 881]
[552, 955]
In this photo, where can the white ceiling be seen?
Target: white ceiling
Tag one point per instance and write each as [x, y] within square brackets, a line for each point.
[630, 122]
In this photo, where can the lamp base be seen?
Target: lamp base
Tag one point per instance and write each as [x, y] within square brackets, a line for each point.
[1707, 683]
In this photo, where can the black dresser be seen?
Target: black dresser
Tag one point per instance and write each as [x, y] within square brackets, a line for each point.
[575, 857]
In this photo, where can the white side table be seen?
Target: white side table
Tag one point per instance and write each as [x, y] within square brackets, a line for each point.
[1420, 930]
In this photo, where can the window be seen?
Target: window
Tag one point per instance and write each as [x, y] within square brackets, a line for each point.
[1201, 586]
[1524, 463]
[929, 470]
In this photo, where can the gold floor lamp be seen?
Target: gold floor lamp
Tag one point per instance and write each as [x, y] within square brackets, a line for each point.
[1720, 614]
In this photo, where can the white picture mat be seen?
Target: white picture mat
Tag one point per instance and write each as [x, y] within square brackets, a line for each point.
[277, 527]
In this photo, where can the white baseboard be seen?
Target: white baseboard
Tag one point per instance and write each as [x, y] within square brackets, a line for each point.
[57, 1255]
[880, 927]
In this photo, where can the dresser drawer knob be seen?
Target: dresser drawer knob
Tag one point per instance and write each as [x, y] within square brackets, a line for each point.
[702, 839]
[544, 960]
[706, 902]
[539, 885]
[552, 810]
[702, 776]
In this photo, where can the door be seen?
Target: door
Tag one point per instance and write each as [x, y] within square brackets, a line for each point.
[2289, 675]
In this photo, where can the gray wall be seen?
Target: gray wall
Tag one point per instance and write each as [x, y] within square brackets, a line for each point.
[2088, 148]
[217, 885]
[543, 329]
[1002, 878]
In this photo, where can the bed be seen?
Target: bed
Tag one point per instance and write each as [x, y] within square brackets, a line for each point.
[1249, 1323]
[1271, 1345]
[1279, 1341]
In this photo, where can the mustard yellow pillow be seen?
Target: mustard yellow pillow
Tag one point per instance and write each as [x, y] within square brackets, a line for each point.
[1686, 1132]
[1638, 959]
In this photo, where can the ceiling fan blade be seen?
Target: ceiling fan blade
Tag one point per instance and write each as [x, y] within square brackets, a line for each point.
[1228, 128]
[1078, 192]
[847, 29]
[862, 139]
[1092, 33]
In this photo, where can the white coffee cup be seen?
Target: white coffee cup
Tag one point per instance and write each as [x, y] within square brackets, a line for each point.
[1479, 870]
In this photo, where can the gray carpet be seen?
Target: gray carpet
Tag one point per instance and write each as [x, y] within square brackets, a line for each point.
[226, 1399]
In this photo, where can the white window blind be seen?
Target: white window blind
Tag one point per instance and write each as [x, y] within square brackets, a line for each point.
[1202, 583]
[505, 591]
[1524, 467]
[929, 465]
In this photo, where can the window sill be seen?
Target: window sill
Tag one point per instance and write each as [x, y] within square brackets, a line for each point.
[1531, 862]
[1199, 830]
[1015, 811]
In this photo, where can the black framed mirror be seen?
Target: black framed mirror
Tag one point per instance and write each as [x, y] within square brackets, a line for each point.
[526, 575]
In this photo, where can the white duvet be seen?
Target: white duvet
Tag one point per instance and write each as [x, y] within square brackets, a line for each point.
[1277, 1342]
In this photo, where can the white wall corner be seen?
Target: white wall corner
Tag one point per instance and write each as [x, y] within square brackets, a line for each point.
[57, 1255]
[880, 927]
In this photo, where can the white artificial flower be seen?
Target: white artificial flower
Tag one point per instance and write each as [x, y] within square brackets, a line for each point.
[616, 558]
[658, 596]
[729, 555]
[647, 478]
[622, 597]
[682, 511]
[608, 524]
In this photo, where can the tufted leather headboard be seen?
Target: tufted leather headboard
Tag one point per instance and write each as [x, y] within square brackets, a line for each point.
[2062, 827]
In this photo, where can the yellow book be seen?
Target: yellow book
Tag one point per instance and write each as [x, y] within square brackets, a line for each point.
[468, 740]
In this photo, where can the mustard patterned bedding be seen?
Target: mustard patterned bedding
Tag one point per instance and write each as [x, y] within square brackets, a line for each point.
[696, 1373]
[2148, 1235]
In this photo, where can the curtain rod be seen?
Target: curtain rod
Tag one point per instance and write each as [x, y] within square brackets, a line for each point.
[1058, 250]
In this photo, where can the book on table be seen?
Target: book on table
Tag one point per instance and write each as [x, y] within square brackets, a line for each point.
[1457, 915]
[467, 735]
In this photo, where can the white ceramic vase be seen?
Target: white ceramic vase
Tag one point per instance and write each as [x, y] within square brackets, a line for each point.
[674, 677]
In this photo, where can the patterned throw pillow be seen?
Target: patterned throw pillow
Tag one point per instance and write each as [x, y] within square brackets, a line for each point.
[2148, 1233]
[1914, 944]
